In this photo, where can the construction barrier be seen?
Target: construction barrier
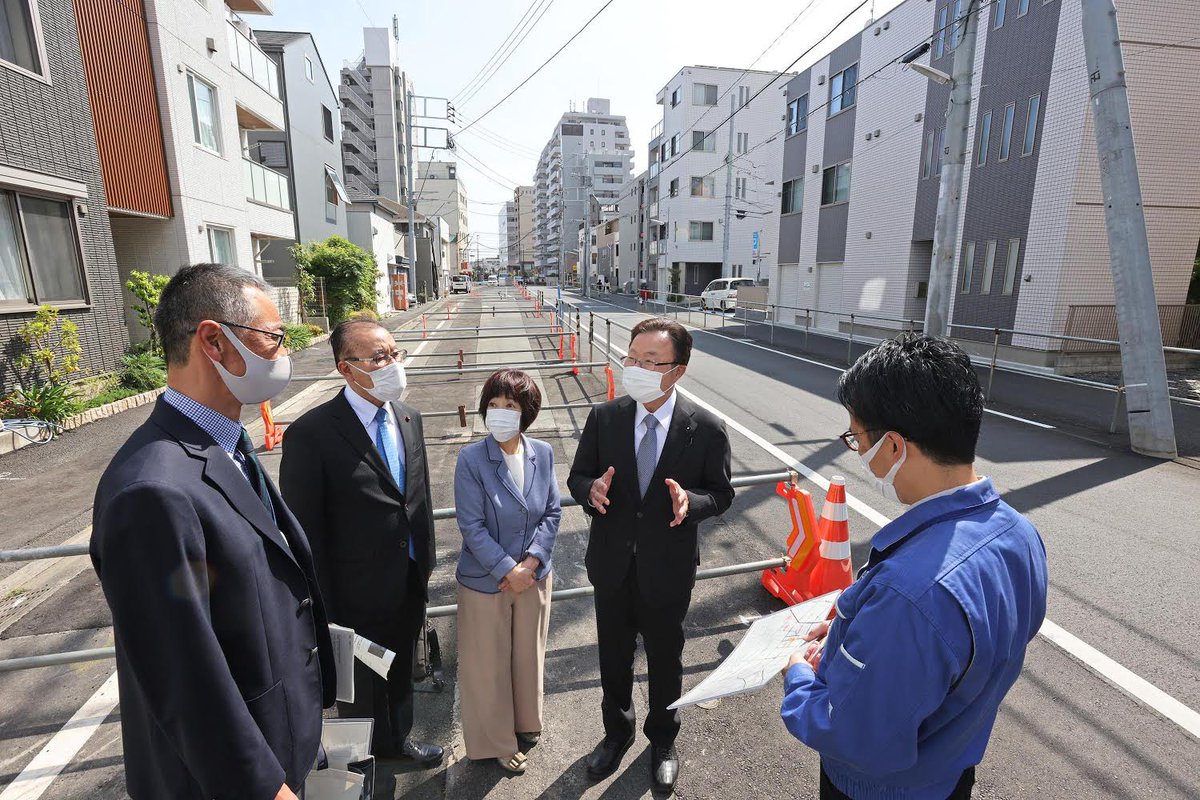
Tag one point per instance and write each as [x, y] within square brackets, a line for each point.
[273, 434]
[818, 550]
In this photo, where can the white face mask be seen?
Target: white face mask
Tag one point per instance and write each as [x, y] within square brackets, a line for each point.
[886, 484]
[390, 382]
[643, 385]
[264, 378]
[503, 423]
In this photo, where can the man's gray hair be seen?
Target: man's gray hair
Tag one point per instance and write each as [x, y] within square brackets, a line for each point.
[199, 292]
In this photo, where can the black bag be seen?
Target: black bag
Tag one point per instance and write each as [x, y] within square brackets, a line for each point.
[427, 661]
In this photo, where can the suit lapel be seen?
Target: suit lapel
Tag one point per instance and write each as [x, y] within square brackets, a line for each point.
[496, 456]
[530, 468]
[678, 438]
[351, 429]
[412, 446]
[626, 469]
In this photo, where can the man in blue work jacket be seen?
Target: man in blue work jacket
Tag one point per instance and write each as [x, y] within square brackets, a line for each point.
[901, 695]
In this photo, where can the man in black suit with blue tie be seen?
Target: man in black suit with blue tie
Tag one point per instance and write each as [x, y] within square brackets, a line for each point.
[355, 473]
[223, 653]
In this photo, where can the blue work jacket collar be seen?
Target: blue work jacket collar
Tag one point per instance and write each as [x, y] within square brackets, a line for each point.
[974, 494]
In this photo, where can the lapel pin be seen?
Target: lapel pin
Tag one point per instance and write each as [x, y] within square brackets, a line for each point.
[407, 418]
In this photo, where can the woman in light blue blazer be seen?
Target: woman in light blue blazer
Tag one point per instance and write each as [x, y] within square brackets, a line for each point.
[508, 511]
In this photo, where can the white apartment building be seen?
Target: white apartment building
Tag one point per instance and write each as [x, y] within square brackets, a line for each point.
[587, 159]
[440, 192]
[694, 183]
[214, 86]
[518, 230]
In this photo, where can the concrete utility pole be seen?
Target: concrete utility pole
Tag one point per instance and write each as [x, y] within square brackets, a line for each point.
[1143, 364]
[408, 181]
[728, 193]
[958, 119]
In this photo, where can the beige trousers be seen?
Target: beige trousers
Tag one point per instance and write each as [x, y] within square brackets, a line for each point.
[501, 653]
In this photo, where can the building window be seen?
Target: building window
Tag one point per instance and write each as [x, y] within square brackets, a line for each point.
[835, 184]
[922, 289]
[1022, 8]
[205, 120]
[674, 188]
[1001, 7]
[331, 197]
[308, 69]
[40, 256]
[21, 38]
[703, 141]
[674, 145]
[739, 188]
[704, 94]
[1031, 123]
[927, 167]
[793, 196]
[985, 138]
[1006, 136]
[956, 29]
[327, 122]
[220, 245]
[968, 267]
[675, 96]
[700, 231]
[939, 152]
[798, 115]
[703, 187]
[743, 142]
[842, 90]
[989, 266]
[939, 40]
[1010, 267]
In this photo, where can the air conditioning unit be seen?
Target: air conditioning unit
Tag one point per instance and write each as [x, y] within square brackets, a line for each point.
[816, 168]
[820, 80]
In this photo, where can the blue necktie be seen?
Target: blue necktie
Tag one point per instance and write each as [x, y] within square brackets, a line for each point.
[647, 454]
[387, 449]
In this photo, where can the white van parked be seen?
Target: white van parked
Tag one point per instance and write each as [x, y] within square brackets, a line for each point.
[721, 294]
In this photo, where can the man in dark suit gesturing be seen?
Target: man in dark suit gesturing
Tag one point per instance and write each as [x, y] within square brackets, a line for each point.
[223, 653]
[649, 468]
[354, 470]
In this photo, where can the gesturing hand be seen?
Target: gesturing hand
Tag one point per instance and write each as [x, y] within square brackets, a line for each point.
[598, 497]
[679, 502]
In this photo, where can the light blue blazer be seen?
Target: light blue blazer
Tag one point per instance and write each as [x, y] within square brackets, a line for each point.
[499, 521]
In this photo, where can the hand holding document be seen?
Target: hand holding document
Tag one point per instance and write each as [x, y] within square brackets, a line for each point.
[763, 652]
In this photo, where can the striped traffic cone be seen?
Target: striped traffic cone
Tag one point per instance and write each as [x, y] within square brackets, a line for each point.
[790, 583]
[833, 569]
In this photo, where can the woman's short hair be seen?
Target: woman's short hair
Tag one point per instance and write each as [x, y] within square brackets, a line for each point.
[517, 385]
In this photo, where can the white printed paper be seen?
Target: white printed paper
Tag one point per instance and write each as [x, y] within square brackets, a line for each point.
[763, 652]
[375, 656]
[343, 661]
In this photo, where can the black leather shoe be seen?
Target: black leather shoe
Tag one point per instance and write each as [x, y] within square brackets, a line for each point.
[605, 759]
[664, 768]
[425, 754]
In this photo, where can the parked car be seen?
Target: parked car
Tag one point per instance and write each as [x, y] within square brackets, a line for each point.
[721, 294]
[460, 284]
[492, 280]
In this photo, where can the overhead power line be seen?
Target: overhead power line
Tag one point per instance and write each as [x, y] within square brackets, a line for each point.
[475, 78]
[512, 49]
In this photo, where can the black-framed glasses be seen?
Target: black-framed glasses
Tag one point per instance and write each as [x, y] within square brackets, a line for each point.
[382, 359]
[850, 438]
[629, 361]
[275, 335]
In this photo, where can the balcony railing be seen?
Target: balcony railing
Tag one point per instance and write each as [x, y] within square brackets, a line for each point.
[266, 186]
[251, 61]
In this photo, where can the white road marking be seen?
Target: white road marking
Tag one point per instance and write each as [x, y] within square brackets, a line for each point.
[1110, 671]
[36, 778]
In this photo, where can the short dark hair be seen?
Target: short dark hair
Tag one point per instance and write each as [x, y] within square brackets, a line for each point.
[681, 337]
[199, 292]
[923, 388]
[517, 385]
[341, 331]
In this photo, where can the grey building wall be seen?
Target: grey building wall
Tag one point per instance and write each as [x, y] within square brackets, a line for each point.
[839, 147]
[48, 129]
[795, 166]
[305, 149]
[631, 208]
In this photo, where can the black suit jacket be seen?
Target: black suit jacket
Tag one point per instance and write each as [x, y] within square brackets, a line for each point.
[695, 454]
[358, 522]
[223, 653]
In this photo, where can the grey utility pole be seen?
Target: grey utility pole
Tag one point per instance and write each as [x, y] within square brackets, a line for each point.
[411, 246]
[958, 119]
[728, 193]
[1143, 364]
[585, 258]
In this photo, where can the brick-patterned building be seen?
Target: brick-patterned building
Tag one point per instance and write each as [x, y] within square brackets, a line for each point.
[55, 242]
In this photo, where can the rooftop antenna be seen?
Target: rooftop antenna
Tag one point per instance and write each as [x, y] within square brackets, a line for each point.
[396, 28]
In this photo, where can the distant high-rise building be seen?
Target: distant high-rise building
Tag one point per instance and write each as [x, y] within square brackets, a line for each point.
[587, 157]
[441, 193]
[519, 230]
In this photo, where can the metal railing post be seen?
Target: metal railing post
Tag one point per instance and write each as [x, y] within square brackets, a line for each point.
[1112, 424]
[807, 322]
[608, 341]
[992, 372]
[591, 335]
[771, 321]
[850, 341]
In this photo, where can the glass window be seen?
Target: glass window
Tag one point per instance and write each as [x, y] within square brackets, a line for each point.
[18, 35]
[956, 29]
[327, 122]
[835, 184]
[1006, 136]
[968, 266]
[927, 162]
[675, 97]
[1022, 8]
[989, 265]
[220, 245]
[703, 187]
[939, 40]
[743, 142]
[985, 138]
[842, 89]
[1001, 7]
[1031, 123]
[674, 188]
[1010, 267]
[798, 115]
[13, 288]
[703, 141]
[793, 196]
[700, 231]
[704, 94]
[308, 68]
[204, 113]
[53, 250]
[939, 152]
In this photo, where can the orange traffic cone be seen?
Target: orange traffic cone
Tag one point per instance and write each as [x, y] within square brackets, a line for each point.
[790, 583]
[833, 569]
[272, 434]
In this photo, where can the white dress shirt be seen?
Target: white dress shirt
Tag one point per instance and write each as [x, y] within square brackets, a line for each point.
[516, 465]
[663, 415]
[365, 410]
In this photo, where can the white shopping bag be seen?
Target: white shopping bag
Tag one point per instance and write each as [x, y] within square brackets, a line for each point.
[333, 784]
[346, 741]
